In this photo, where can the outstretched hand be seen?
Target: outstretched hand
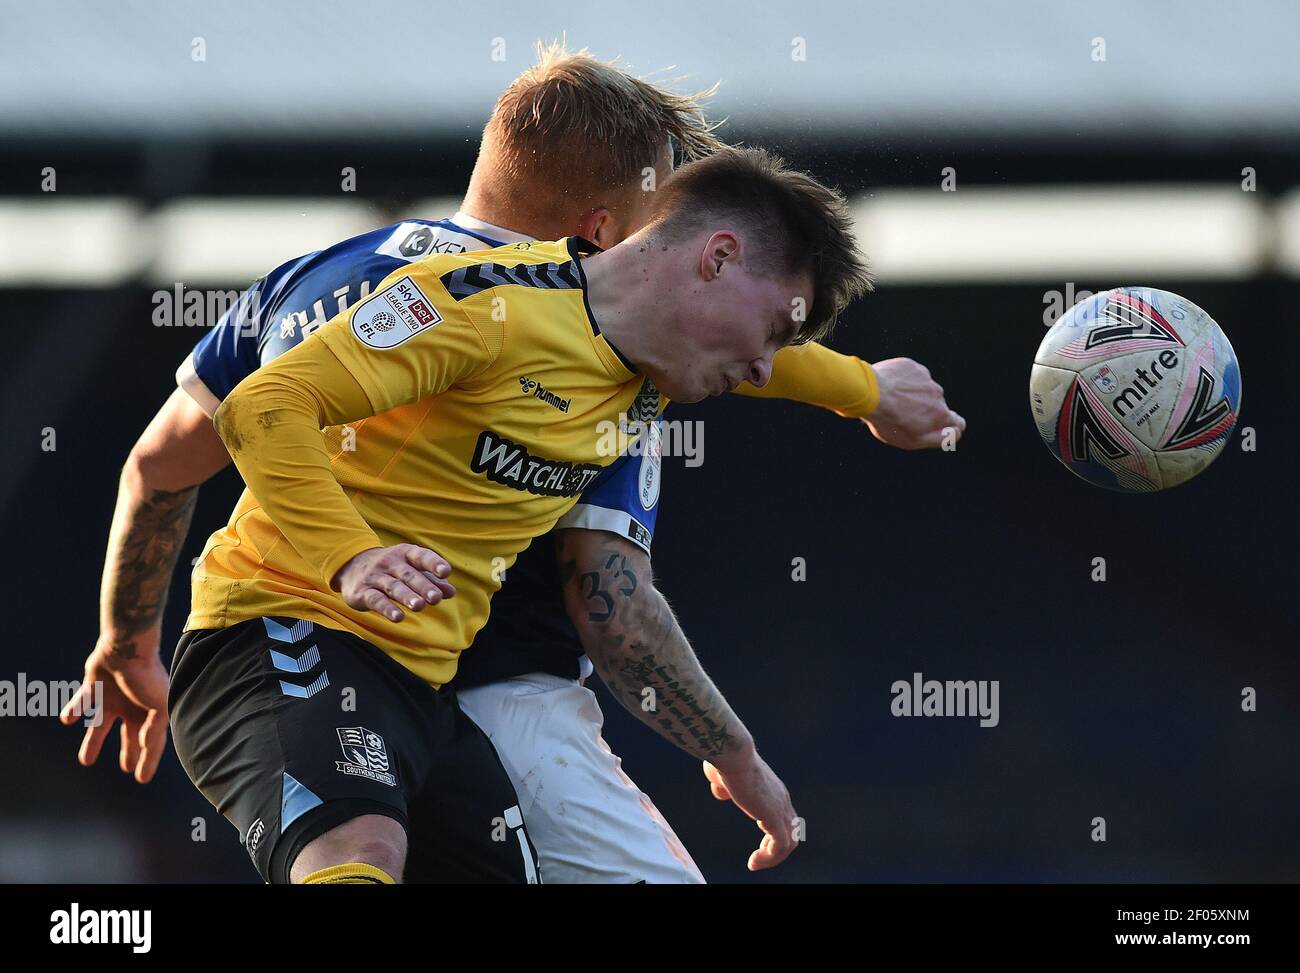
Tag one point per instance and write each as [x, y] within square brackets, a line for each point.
[755, 789]
[134, 685]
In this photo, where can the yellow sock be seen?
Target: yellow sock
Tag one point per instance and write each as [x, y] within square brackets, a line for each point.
[353, 873]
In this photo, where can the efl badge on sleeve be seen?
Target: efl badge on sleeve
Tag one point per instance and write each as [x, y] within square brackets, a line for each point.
[390, 316]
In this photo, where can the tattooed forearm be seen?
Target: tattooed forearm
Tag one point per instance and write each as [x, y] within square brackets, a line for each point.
[143, 550]
[685, 707]
[644, 657]
[616, 572]
[123, 648]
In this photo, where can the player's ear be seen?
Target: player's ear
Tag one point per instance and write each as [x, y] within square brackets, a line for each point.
[598, 227]
[721, 248]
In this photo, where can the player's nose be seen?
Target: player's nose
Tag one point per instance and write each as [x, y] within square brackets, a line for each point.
[760, 372]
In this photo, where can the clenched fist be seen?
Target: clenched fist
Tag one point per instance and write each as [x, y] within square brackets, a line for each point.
[912, 413]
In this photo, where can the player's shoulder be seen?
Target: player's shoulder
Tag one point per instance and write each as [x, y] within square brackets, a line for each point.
[380, 250]
[470, 282]
[550, 264]
[303, 293]
[463, 288]
[563, 250]
[394, 244]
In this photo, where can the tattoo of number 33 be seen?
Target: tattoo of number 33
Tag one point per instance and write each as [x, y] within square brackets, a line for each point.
[622, 579]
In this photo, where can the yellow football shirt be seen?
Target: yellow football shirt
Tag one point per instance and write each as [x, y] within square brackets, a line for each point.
[814, 374]
[476, 384]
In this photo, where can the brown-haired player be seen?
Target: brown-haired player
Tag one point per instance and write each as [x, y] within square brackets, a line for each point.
[527, 662]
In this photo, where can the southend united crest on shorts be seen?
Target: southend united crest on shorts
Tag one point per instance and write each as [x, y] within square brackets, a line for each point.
[366, 755]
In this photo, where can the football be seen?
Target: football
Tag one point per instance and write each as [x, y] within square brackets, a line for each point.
[1135, 389]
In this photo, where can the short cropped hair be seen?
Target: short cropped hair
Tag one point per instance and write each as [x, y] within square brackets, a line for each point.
[798, 225]
[574, 126]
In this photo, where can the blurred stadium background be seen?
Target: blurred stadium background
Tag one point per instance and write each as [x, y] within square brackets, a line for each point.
[1174, 161]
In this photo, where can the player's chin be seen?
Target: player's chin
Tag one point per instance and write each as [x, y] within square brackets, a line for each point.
[688, 395]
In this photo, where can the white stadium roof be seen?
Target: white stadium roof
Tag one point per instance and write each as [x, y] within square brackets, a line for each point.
[1198, 67]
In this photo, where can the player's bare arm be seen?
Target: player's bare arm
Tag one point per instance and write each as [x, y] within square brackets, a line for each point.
[155, 501]
[178, 451]
[641, 653]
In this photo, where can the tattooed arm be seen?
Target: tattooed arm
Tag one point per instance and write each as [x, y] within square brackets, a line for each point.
[644, 658]
[155, 501]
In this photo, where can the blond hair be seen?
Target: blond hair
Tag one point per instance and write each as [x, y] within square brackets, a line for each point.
[573, 127]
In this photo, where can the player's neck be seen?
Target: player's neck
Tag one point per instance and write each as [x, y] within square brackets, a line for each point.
[630, 301]
[502, 231]
[497, 210]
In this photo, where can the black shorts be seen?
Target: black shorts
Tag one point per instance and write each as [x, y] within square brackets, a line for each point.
[291, 729]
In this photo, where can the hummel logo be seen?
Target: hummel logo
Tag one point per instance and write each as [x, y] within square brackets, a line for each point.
[539, 391]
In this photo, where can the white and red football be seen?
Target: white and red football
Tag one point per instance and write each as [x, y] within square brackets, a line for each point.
[1135, 389]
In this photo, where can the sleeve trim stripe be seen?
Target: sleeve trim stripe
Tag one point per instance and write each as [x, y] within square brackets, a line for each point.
[590, 517]
[188, 379]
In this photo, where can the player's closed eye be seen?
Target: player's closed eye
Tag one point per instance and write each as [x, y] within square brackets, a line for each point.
[782, 336]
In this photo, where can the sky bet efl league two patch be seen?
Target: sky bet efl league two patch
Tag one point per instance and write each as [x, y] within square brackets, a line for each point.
[390, 316]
